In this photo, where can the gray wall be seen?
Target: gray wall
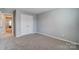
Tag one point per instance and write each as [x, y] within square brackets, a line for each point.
[61, 23]
[17, 22]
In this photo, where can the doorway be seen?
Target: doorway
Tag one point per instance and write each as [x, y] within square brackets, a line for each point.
[6, 25]
[9, 24]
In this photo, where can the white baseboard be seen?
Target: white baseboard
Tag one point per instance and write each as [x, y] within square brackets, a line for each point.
[18, 35]
[24, 34]
[59, 38]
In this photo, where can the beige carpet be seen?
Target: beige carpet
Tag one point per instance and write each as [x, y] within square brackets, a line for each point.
[34, 42]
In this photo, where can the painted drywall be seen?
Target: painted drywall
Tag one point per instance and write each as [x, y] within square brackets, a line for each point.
[61, 23]
[77, 27]
[18, 20]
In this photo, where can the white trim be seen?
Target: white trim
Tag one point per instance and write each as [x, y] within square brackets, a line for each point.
[59, 38]
[18, 35]
[24, 35]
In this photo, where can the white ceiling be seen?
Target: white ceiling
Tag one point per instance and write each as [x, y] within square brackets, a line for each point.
[28, 10]
[36, 10]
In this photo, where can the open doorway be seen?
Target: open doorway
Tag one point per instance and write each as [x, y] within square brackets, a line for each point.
[6, 24]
